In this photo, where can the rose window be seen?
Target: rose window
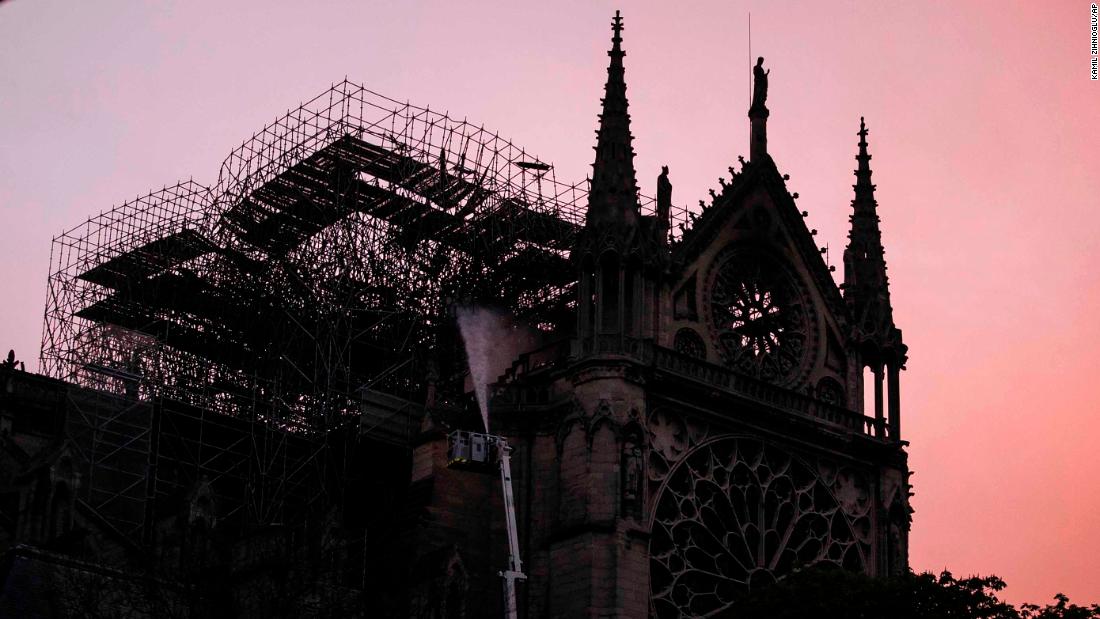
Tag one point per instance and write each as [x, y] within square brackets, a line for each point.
[758, 317]
[737, 514]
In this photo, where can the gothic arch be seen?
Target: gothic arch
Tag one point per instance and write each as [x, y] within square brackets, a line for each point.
[572, 463]
[609, 273]
[830, 390]
[566, 429]
[687, 341]
[603, 416]
[455, 588]
[897, 529]
[574, 419]
[202, 511]
[603, 455]
[60, 517]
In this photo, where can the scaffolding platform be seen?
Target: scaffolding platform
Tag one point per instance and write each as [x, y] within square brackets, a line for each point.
[312, 286]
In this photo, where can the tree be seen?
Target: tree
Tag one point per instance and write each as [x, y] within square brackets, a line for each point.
[1061, 609]
[827, 591]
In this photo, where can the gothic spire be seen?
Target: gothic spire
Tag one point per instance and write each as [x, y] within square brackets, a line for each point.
[865, 192]
[866, 287]
[613, 197]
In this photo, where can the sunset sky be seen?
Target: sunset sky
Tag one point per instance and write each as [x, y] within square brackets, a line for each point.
[984, 128]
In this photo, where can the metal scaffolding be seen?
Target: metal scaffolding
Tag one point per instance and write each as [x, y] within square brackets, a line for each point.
[318, 274]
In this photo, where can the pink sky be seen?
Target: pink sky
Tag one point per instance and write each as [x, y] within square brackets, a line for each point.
[984, 129]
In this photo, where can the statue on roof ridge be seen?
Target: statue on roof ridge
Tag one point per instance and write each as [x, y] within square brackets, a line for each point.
[760, 84]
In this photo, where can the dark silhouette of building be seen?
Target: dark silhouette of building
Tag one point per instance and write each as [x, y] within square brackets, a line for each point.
[249, 387]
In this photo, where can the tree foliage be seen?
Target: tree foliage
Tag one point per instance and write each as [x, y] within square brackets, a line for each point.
[1061, 609]
[832, 592]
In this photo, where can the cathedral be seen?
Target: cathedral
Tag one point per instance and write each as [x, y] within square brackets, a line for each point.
[246, 405]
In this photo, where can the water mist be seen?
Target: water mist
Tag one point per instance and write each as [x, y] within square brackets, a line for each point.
[492, 343]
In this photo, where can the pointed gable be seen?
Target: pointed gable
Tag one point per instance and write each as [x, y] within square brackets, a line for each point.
[753, 287]
[735, 208]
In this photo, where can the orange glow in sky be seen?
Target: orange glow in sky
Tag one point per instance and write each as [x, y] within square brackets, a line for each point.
[984, 130]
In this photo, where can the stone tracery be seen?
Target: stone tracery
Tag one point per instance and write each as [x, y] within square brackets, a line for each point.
[736, 513]
[759, 317]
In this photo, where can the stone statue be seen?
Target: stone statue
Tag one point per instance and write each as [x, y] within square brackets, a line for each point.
[664, 192]
[632, 478]
[760, 84]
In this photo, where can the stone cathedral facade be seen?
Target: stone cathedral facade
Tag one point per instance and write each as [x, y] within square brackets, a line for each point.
[249, 388]
[705, 431]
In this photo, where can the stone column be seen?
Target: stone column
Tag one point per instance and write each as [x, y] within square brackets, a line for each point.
[895, 403]
[880, 427]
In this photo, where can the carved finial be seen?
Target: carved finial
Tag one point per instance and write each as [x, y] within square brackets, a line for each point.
[863, 174]
[617, 29]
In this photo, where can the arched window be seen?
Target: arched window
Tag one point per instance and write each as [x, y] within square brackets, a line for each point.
[60, 510]
[629, 293]
[609, 293]
[868, 403]
[829, 391]
[688, 342]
